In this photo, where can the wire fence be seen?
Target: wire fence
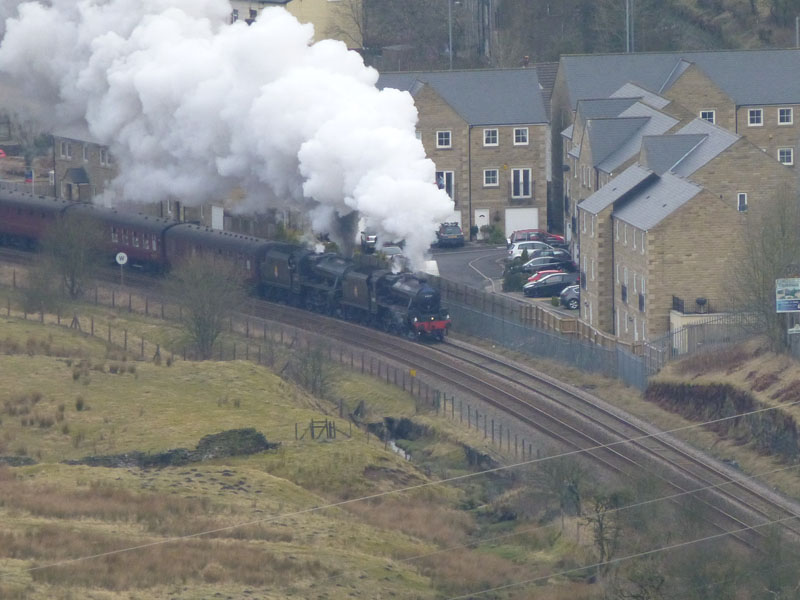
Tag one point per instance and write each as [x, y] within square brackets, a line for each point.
[264, 343]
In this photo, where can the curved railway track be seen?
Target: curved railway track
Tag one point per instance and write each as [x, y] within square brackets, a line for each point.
[571, 417]
[577, 420]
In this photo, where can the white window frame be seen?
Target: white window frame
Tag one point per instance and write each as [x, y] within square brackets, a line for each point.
[741, 201]
[709, 115]
[592, 269]
[789, 156]
[594, 217]
[583, 221]
[625, 276]
[440, 139]
[634, 282]
[449, 182]
[487, 133]
[616, 269]
[755, 117]
[633, 237]
[625, 234]
[519, 134]
[522, 171]
[86, 153]
[643, 242]
[418, 134]
[790, 114]
[616, 232]
[486, 182]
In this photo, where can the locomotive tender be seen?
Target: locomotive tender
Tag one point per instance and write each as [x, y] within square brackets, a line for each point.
[401, 303]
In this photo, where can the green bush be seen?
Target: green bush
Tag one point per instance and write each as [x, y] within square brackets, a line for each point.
[513, 281]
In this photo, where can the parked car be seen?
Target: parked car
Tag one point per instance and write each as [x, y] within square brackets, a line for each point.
[449, 234]
[571, 297]
[549, 262]
[369, 242]
[395, 258]
[537, 276]
[555, 252]
[538, 235]
[516, 249]
[551, 285]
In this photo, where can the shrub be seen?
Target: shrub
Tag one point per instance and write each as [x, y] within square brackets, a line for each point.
[79, 403]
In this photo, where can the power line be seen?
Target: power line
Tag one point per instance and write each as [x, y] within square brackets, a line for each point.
[401, 490]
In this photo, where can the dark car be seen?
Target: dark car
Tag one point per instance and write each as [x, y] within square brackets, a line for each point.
[549, 262]
[552, 252]
[552, 285]
[537, 235]
[571, 297]
[449, 234]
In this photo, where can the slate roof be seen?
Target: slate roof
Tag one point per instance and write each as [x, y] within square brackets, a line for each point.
[657, 123]
[481, 97]
[624, 183]
[608, 135]
[631, 90]
[598, 108]
[717, 140]
[662, 152]
[749, 77]
[658, 200]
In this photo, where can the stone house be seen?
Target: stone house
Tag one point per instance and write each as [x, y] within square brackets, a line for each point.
[604, 139]
[83, 168]
[667, 228]
[753, 93]
[488, 133]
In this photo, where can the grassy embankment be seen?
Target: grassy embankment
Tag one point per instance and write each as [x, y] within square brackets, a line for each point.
[64, 395]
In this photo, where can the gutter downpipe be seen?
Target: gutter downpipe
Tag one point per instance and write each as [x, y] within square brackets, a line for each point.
[469, 178]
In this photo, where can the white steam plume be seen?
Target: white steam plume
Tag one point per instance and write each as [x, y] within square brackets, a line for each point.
[192, 106]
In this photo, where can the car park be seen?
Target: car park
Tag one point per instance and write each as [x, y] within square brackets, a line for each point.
[516, 249]
[551, 285]
[571, 297]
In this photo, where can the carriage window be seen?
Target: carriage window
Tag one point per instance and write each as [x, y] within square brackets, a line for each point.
[114, 235]
[146, 240]
[135, 239]
[154, 244]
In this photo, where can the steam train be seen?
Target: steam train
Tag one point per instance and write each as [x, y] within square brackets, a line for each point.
[401, 303]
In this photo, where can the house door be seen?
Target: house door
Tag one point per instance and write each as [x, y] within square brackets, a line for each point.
[481, 219]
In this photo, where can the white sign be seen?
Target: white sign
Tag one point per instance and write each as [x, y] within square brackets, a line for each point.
[122, 258]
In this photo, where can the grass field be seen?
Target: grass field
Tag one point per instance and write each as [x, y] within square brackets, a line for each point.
[65, 396]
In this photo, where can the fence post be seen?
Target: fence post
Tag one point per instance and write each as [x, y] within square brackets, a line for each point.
[95, 295]
[125, 345]
[14, 278]
[113, 299]
[109, 333]
[142, 351]
[247, 328]
[162, 309]
[469, 417]
[147, 306]
[92, 325]
[130, 302]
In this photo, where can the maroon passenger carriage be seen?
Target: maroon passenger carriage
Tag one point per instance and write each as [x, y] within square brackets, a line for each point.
[24, 217]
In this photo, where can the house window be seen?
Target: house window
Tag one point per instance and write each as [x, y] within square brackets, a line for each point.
[490, 178]
[490, 137]
[741, 201]
[785, 116]
[786, 156]
[105, 159]
[617, 230]
[643, 242]
[625, 234]
[593, 220]
[418, 134]
[708, 115]
[66, 150]
[633, 236]
[625, 275]
[86, 153]
[444, 179]
[234, 15]
[634, 282]
[592, 269]
[520, 136]
[443, 139]
[521, 184]
[755, 117]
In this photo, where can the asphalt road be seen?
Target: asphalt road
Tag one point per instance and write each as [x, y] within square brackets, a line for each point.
[476, 265]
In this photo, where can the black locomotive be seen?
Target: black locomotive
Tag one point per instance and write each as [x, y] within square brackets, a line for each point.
[401, 303]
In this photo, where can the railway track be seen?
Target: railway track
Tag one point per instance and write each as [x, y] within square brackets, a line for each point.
[578, 421]
[571, 417]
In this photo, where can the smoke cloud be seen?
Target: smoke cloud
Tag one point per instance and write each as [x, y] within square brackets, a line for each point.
[192, 106]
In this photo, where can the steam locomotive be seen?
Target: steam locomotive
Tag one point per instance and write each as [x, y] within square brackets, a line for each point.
[400, 303]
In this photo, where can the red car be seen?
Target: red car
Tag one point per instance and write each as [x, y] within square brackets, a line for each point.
[537, 235]
[540, 274]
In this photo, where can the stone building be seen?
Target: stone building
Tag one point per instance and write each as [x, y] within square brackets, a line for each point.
[83, 168]
[665, 230]
[753, 93]
[488, 133]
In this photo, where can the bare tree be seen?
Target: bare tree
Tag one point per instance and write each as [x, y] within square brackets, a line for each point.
[563, 480]
[208, 291]
[71, 250]
[771, 250]
[29, 136]
[349, 23]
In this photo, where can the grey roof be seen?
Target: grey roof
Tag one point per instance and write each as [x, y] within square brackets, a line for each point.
[631, 90]
[717, 140]
[567, 133]
[657, 123]
[652, 204]
[626, 182]
[481, 97]
[607, 135]
[598, 108]
[546, 72]
[662, 152]
[749, 77]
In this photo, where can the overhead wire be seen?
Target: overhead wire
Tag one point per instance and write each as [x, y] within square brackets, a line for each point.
[383, 494]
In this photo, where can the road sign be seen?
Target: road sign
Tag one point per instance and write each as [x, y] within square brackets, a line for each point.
[122, 258]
